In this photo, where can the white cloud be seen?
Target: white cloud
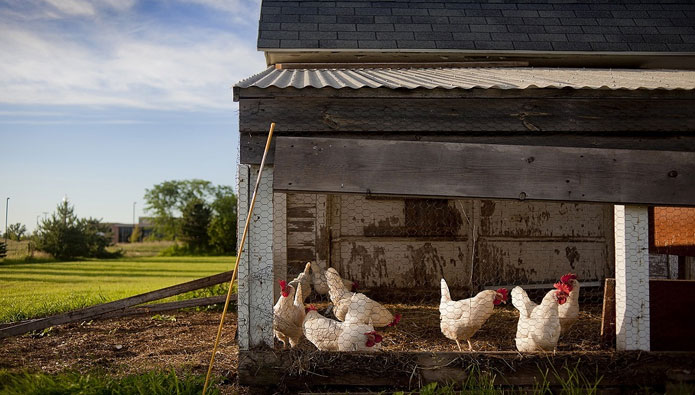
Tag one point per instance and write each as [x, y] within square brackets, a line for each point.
[132, 65]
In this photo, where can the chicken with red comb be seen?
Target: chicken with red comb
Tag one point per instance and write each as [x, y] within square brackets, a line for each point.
[288, 315]
[569, 311]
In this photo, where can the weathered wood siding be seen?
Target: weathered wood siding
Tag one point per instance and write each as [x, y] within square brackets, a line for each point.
[406, 243]
[534, 242]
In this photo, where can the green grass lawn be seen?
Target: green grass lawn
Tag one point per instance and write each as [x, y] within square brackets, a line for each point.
[29, 290]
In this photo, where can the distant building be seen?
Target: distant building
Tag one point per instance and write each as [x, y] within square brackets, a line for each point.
[121, 232]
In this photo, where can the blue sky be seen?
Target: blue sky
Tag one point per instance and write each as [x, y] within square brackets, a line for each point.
[102, 99]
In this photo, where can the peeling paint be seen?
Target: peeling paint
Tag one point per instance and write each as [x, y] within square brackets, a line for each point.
[572, 255]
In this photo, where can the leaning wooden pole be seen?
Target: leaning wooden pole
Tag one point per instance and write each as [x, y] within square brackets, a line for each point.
[238, 258]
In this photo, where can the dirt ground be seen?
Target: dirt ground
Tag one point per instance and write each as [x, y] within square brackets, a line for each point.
[183, 341]
[179, 340]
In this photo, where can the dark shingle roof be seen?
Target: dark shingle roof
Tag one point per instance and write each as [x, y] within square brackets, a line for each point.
[536, 25]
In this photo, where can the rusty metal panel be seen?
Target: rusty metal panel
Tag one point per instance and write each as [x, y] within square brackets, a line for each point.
[406, 263]
[672, 230]
[529, 261]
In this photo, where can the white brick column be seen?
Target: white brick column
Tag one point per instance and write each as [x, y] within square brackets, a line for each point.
[255, 284]
[631, 277]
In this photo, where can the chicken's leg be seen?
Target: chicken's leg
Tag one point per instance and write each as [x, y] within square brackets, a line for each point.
[458, 344]
[470, 346]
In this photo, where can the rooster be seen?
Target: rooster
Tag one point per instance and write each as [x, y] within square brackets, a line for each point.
[321, 284]
[461, 319]
[568, 312]
[356, 307]
[331, 335]
[303, 280]
[288, 315]
[539, 329]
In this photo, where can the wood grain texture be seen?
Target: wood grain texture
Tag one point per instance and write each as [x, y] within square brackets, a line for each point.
[467, 115]
[121, 304]
[252, 145]
[302, 370]
[433, 169]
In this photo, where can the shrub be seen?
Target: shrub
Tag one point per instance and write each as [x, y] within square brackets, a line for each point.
[65, 236]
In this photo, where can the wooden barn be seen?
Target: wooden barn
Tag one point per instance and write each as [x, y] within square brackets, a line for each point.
[489, 143]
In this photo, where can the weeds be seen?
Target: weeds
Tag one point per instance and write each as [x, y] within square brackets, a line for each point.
[155, 382]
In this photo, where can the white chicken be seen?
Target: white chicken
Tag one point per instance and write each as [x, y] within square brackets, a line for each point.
[568, 312]
[303, 280]
[321, 284]
[331, 335]
[356, 307]
[539, 328]
[461, 319]
[288, 315]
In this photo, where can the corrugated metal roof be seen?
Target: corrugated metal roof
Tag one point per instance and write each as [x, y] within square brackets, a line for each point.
[470, 78]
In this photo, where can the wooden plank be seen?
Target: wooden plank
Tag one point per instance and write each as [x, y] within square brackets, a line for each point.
[608, 319]
[465, 115]
[671, 324]
[169, 306]
[252, 144]
[294, 369]
[94, 311]
[450, 170]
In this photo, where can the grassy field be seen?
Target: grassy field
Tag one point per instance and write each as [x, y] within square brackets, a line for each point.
[37, 289]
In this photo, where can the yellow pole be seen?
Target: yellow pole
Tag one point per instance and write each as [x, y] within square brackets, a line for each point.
[238, 255]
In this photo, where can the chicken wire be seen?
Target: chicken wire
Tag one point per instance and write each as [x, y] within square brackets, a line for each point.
[449, 268]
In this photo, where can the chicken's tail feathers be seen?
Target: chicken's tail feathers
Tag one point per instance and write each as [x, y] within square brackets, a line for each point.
[520, 300]
[446, 296]
[307, 268]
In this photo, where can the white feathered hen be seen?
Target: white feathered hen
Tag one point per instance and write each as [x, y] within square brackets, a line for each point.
[331, 335]
[288, 315]
[538, 329]
[356, 307]
[321, 283]
[461, 319]
[568, 312]
[303, 280]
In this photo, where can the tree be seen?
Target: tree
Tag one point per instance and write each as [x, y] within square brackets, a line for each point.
[16, 231]
[166, 201]
[223, 226]
[194, 225]
[135, 236]
[65, 236]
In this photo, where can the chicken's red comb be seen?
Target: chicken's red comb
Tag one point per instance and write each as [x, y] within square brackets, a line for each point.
[562, 287]
[504, 292]
[567, 277]
[283, 284]
[396, 320]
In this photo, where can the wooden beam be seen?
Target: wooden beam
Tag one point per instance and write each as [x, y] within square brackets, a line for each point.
[252, 144]
[457, 170]
[410, 370]
[461, 116]
[169, 306]
[121, 304]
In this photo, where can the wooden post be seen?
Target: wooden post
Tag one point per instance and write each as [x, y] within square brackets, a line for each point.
[608, 318]
[631, 277]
